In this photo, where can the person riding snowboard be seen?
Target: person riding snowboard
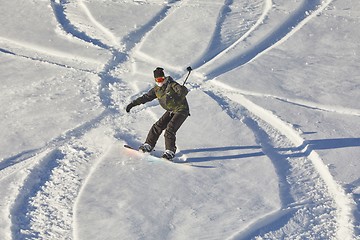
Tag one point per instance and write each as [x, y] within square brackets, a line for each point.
[172, 97]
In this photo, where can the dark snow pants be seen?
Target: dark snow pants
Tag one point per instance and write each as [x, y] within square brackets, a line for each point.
[170, 122]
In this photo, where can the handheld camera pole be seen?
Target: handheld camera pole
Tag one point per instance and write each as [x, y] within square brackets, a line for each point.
[189, 70]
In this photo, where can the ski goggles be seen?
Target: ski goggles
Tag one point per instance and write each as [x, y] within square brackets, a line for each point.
[160, 79]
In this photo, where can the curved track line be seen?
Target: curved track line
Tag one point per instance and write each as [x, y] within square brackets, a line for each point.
[7, 164]
[7, 52]
[298, 192]
[108, 33]
[14, 163]
[344, 202]
[46, 168]
[117, 57]
[164, 13]
[44, 53]
[48, 62]
[22, 208]
[85, 181]
[68, 27]
[145, 57]
[52, 188]
[35, 179]
[297, 27]
[299, 102]
[289, 27]
[321, 107]
[267, 7]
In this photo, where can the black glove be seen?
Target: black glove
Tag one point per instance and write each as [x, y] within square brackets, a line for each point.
[130, 106]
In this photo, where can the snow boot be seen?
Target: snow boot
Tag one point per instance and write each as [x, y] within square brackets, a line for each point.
[145, 148]
[168, 154]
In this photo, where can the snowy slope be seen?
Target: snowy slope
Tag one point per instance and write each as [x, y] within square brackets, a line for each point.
[272, 144]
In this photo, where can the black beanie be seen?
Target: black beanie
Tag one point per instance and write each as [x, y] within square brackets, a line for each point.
[159, 72]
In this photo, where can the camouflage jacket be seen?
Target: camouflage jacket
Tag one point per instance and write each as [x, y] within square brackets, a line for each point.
[171, 96]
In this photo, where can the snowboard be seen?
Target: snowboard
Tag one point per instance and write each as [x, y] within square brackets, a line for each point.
[155, 158]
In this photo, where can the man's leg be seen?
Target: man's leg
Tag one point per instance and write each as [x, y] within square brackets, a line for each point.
[157, 128]
[172, 127]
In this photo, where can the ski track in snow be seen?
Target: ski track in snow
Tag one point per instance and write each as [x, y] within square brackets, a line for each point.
[268, 128]
[64, 164]
[69, 162]
[68, 159]
[343, 203]
[45, 55]
[279, 35]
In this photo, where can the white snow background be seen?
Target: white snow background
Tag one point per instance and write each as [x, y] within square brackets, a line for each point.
[272, 144]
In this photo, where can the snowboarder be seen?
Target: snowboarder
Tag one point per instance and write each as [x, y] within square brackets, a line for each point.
[172, 97]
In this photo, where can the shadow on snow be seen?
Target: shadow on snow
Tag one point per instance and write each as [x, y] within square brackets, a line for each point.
[222, 150]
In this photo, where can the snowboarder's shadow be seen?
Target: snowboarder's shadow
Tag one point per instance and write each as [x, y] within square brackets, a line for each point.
[318, 144]
[220, 153]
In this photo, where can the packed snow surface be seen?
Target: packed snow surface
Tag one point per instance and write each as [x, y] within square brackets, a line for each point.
[272, 146]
